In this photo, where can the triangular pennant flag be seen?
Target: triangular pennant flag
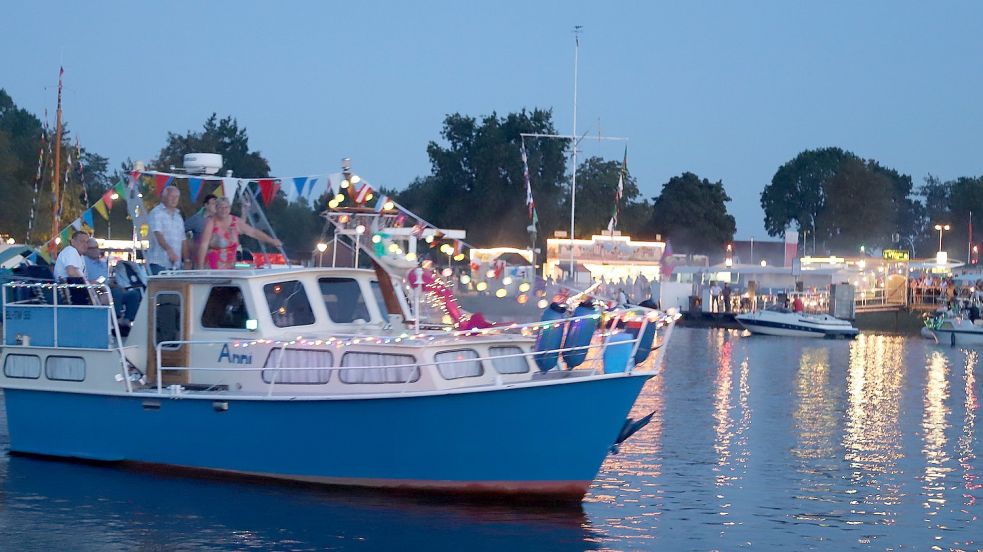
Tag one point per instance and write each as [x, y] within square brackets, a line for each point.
[134, 175]
[120, 189]
[100, 208]
[334, 181]
[300, 182]
[311, 188]
[380, 203]
[160, 182]
[64, 235]
[268, 188]
[229, 187]
[76, 224]
[194, 186]
[107, 198]
[87, 218]
[363, 194]
[43, 253]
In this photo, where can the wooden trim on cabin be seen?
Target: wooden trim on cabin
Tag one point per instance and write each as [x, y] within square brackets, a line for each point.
[174, 357]
[388, 293]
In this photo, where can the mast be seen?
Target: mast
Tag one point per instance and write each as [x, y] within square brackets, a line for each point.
[56, 181]
[573, 184]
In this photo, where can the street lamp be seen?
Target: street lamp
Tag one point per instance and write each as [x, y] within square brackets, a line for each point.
[321, 248]
[941, 228]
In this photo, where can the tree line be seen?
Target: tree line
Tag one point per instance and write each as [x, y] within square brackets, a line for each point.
[835, 198]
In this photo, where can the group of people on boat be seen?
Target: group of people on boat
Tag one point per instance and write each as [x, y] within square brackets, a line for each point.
[207, 240]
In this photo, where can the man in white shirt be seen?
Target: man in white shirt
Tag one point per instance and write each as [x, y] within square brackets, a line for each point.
[70, 263]
[168, 243]
[714, 297]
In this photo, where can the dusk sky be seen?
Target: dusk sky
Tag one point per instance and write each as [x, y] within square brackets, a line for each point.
[726, 90]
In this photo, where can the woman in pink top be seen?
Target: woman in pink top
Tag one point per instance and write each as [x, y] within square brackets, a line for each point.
[220, 238]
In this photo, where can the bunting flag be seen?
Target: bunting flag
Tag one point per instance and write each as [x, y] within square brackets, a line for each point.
[162, 181]
[268, 188]
[87, 218]
[194, 186]
[107, 198]
[300, 182]
[229, 186]
[380, 204]
[76, 224]
[334, 183]
[134, 176]
[100, 208]
[44, 253]
[120, 189]
[219, 190]
[313, 182]
[363, 194]
[64, 235]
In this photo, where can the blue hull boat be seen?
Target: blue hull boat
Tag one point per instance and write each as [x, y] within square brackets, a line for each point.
[239, 372]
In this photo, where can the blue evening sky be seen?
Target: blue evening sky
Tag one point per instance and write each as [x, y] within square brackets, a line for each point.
[727, 90]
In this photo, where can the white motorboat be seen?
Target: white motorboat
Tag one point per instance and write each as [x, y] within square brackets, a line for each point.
[954, 330]
[783, 322]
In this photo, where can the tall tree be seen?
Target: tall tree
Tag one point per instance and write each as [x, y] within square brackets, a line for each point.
[693, 214]
[597, 182]
[860, 207]
[795, 194]
[217, 136]
[476, 181]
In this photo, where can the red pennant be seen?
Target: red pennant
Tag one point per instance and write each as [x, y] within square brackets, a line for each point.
[268, 189]
[107, 198]
[160, 182]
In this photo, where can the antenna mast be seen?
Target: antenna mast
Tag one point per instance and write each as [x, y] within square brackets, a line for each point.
[56, 181]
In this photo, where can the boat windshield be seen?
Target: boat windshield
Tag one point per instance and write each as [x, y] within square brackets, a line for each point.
[344, 300]
[288, 304]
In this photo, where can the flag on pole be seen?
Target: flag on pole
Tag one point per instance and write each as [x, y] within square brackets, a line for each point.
[530, 202]
[618, 192]
[380, 203]
[665, 263]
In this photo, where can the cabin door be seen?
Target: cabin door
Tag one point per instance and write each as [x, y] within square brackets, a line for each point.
[169, 318]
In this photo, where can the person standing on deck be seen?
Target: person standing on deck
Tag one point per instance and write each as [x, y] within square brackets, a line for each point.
[168, 243]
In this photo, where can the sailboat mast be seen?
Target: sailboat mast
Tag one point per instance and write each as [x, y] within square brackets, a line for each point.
[56, 181]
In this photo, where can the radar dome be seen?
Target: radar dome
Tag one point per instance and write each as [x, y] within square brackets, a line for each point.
[202, 163]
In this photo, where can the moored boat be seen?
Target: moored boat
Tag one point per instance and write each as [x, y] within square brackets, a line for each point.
[305, 374]
[783, 322]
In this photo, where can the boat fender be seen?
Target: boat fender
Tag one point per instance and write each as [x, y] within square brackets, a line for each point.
[618, 352]
[549, 337]
[579, 335]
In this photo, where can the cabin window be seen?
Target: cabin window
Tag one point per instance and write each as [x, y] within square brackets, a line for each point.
[167, 318]
[462, 363]
[379, 368]
[318, 362]
[288, 304]
[507, 360]
[344, 300]
[22, 366]
[380, 299]
[64, 368]
[225, 308]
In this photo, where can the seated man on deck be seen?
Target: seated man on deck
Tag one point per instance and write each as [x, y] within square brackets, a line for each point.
[125, 302]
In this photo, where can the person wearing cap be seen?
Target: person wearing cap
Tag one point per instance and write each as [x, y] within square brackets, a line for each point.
[125, 302]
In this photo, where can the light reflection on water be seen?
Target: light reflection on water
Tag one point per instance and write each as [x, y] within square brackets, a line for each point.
[756, 442]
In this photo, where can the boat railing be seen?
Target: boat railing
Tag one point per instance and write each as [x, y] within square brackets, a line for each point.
[35, 322]
[414, 370]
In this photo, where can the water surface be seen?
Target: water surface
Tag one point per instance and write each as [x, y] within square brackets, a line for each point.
[757, 443]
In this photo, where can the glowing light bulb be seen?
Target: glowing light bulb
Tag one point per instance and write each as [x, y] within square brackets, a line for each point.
[490, 274]
[360, 229]
[459, 257]
[507, 281]
[482, 286]
[428, 239]
[543, 303]
[465, 279]
[522, 299]
[369, 196]
[524, 287]
[376, 238]
[447, 272]
[356, 179]
[344, 183]
[501, 293]
[411, 256]
[389, 205]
